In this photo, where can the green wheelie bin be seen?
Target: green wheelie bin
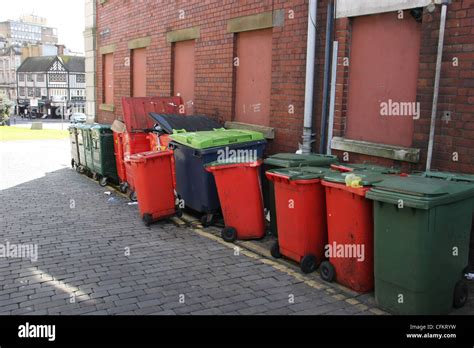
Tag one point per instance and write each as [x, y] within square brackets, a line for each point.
[86, 133]
[75, 158]
[287, 160]
[103, 157]
[83, 141]
[421, 243]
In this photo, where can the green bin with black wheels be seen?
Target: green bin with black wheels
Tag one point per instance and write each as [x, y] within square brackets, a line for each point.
[287, 160]
[84, 149]
[75, 158]
[103, 157]
[421, 243]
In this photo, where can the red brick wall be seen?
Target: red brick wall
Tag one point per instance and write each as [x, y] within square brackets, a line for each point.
[456, 90]
[214, 83]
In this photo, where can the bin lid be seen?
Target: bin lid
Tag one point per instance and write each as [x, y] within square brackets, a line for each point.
[286, 160]
[217, 165]
[367, 178]
[148, 155]
[450, 176]
[136, 110]
[102, 128]
[420, 192]
[85, 126]
[190, 123]
[301, 173]
[218, 137]
[366, 166]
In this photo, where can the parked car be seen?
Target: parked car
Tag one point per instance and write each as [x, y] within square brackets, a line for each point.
[77, 117]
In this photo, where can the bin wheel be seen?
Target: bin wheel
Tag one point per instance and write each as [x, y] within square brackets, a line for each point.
[123, 187]
[133, 196]
[309, 263]
[275, 250]
[78, 169]
[461, 293]
[73, 163]
[179, 212]
[95, 176]
[327, 271]
[207, 220]
[229, 234]
[103, 181]
[147, 219]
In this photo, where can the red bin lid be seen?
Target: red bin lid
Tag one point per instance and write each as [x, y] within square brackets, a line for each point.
[136, 110]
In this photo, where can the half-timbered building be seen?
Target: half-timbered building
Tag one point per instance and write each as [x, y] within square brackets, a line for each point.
[52, 85]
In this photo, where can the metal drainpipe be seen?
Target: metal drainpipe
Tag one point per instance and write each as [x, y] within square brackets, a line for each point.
[327, 67]
[434, 108]
[310, 59]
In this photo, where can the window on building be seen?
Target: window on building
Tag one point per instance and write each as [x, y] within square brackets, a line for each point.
[183, 79]
[108, 78]
[31, 92]
[21, 91]
[384, 61]
[29, 77]
[38, 92]
[21, 77]
[253, 77]
[138, 72]
[80, 78]
[40, 77]
[57, 78]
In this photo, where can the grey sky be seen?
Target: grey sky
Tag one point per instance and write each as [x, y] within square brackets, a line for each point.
[65, 15]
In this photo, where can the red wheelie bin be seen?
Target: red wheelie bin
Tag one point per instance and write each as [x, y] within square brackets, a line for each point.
[350, 230]
[138, 137]
[242, 204]
[301, 215]
[155, 185]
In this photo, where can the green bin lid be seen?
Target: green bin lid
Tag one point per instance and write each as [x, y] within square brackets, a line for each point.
[301, 173]
[287, 160]
[101, 128]
[420, 192]
[368, 178]
[371, 167]
[217, 137]
[450, 176]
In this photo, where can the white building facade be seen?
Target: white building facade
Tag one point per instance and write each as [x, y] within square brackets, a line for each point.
[10, 60]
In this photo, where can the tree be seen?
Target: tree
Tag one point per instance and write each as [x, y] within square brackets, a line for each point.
[5, 107]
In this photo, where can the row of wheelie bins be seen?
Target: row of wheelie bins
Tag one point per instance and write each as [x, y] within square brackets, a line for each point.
[92, 151]
[366, 227]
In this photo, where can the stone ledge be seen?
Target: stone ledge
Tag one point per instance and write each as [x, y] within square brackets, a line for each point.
[255, 22]
[141, 42]
[107, 49]
[107, 107]
[397, 153]
[183, 34]
[268, 132]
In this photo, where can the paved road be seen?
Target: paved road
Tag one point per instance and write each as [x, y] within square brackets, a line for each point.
[95, 256]
[47, 124]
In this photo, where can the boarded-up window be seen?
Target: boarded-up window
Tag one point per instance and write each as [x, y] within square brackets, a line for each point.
[108, 87]
[184, 73]
[383, 73]
[139, 72]
[253, 65]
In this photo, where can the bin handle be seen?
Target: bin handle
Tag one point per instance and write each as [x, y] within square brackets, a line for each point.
[196, 154]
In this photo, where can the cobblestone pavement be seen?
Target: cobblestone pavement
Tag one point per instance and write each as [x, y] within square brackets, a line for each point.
[96, 257]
